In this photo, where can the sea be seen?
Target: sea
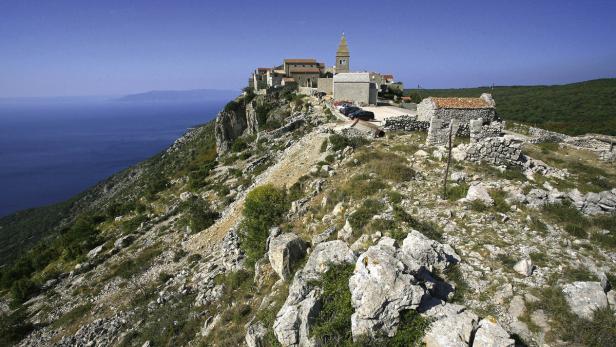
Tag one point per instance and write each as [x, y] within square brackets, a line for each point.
[52, 149]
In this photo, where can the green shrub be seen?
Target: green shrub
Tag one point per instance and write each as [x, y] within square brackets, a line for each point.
[232, 106]
[364, 213]
[197, 214]
[264, 208]
[411, 330]
[23, 289]
[567, 326]
[457, 192]
[14, 327]
[136, 265]
[239, 145]
[500, 205]
[332, 326]
[569, 217]
[339, 142]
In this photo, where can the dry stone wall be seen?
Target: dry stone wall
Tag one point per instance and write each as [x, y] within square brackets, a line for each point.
[405, 123]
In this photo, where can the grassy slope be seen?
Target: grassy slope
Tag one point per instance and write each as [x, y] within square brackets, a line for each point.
[578, 108]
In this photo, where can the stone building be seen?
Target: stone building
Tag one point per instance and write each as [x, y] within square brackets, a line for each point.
[462, 109]
[343, 56]
[259, 78]
[356, 87]
[274, 77]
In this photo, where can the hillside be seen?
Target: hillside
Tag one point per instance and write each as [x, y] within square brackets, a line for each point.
[279, 225]
[574, 109]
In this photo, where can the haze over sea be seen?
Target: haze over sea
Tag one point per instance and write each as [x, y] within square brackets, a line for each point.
[52, 149]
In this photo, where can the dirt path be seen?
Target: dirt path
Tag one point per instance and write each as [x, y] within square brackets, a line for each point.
[296, 162]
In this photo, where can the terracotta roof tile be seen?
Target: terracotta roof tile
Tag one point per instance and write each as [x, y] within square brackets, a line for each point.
[304, 70]
[460, 103]
[300, 61]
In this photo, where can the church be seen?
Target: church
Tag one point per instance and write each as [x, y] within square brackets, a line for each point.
[309, 74]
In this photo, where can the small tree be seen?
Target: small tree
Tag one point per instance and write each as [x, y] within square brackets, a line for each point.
[264, 208]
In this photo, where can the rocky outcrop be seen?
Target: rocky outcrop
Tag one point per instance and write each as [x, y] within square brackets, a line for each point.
[255, 334]
[585, 297]
[229, 125]
[284, 252]
[381, 287]
[478, 192]
[594, 203]
[293, 321]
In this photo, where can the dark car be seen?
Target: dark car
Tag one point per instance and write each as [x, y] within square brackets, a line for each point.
[361, 114]
[349, 109]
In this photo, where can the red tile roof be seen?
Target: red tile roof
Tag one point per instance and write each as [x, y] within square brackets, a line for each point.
[299, 61]
[460, 103]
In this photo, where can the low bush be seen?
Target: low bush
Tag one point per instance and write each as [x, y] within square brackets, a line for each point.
[197, 214]
[264, 208]
[332, 326]
[364, 213]
[339, 142]
[568, 327]
[14, 327]
[457, 192]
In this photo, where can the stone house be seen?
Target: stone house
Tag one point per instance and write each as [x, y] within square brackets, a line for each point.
[356, 87]
[260, 78]
[274, 77]
[462, 109]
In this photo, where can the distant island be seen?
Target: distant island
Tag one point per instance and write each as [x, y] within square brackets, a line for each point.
[180, 95]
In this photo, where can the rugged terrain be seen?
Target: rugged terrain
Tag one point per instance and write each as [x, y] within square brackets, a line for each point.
[275, 226]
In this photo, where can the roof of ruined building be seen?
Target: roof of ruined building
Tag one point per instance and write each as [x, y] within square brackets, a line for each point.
[304, 70]
[343, 48]
[346, 77]
[300, 61]
[461, 103]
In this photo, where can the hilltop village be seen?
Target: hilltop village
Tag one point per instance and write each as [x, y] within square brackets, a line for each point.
[324, 207]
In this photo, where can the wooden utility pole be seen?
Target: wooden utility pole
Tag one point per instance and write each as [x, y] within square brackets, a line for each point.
[448, 159]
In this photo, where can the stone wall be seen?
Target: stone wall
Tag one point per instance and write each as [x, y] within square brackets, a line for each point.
[479, 131]
[405, 123]
[541, 135]
[438, 132]
[505, 150]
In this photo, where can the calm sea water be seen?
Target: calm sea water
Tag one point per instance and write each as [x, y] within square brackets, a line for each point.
[52, 150]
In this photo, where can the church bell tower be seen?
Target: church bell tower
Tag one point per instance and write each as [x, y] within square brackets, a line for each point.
[342, 56]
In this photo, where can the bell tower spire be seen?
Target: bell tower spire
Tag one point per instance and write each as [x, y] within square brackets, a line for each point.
[342, 56]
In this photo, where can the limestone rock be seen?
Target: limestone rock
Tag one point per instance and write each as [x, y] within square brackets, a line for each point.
[284, 251]
[229, 125]
[94, 252]
[428, 253]
[255, 334]
[491, 334]
[452, 330]
[346, 232]
[479, 192]
[585, 297]
[524, 267]
[316, 239]
[293, 321]
[381, 287]
[123, 241]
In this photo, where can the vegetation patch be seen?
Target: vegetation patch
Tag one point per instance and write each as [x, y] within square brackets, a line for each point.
[264, 208]
[339, 142]
[133, 266]
[566, 326]
[197, 214]
[332, 327]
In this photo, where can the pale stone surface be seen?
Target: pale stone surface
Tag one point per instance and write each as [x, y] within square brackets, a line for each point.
[491, 334]
[524, 267]
[585, 297]
[346, 232]
[427, 252]
[479, 192]
[293, 321]
[381, 287]
[254, 335]
[284, 251]
[452, 330]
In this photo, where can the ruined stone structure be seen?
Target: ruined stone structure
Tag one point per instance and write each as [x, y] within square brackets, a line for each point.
[479, 131]
[462, 109]
[505, 150]
[603, 146]
[438, 132]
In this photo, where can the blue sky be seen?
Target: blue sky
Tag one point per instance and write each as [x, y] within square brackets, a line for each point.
[53, 48]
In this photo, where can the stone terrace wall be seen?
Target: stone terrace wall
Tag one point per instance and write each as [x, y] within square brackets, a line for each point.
[505, 150]
[541, 135]
[405, 123]
[479, 131]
